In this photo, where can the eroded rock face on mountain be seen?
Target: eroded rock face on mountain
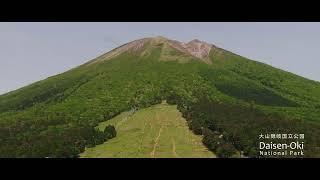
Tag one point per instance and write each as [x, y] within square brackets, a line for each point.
[198, 48]
[195, 48]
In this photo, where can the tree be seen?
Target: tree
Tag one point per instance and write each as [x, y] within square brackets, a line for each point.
[110, 132]
[210, 139]
[252, 105]
[226, 150]
[195, 126]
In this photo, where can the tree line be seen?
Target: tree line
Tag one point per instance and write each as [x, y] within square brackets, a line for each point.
[26, 138]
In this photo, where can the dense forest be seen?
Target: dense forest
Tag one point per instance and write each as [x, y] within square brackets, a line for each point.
[227, 128]
[32, 139]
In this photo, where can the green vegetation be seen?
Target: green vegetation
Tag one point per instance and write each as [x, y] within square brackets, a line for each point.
[110, 132]
[30, 140]
[239, 98]
[245, 89]
[227, 128]
[157, 131]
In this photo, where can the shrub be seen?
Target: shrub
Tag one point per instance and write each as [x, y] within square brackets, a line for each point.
[225, 150]
[110, 132]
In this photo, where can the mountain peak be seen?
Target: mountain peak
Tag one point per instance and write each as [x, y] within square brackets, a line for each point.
[195, 47]
[199, 49]
[195, 41]
[160, 37]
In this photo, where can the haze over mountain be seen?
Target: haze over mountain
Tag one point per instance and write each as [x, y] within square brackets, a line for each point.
[226, 98]
[57, 47]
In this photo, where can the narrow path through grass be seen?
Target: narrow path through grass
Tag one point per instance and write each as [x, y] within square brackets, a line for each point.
[155, 132]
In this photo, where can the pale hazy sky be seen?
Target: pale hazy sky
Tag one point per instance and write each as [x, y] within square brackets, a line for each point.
[33, 51]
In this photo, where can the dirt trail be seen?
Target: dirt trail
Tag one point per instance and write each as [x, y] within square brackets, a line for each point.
[174, 148]
[156, 141]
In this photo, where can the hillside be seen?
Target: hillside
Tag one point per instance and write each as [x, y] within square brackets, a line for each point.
[155, 132]
[35, 120]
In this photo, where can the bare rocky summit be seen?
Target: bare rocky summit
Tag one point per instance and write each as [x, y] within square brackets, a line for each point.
[196, 48]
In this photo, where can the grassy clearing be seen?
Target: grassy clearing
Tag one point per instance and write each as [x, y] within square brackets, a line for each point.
[155, 132]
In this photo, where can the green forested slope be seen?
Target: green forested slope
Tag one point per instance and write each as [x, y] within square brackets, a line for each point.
[44, 112]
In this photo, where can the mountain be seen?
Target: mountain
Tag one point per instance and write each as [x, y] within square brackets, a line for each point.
[56, 117]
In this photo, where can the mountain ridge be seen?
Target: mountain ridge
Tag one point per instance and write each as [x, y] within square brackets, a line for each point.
[196, 48]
